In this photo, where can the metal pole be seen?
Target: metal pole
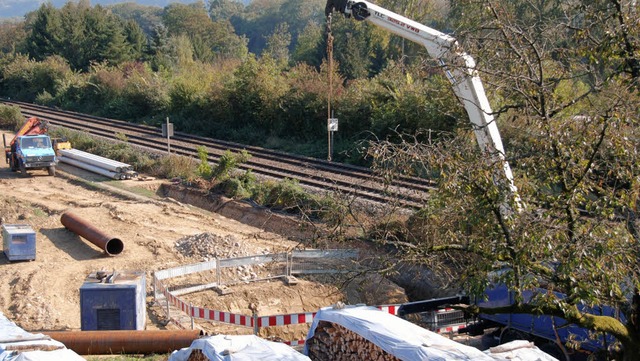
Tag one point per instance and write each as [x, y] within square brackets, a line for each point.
[256, 329]
[168, 141]
[332, 144]
[328, 141]
[218, 276]
[193, 322]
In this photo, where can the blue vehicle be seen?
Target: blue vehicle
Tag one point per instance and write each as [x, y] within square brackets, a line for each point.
[550, 334]
[31, 148]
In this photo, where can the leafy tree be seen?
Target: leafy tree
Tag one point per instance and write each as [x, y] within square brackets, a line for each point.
[147, 17]
[307, 49]
[12, 37]
[24, 79]
[224, 9]
[209, 39]
[571, 120]
[278, 44]
[159, 49]
[356, 47]
[78, 33]
[136, 37]
[262, 17]
[45, 33]
[255, 93]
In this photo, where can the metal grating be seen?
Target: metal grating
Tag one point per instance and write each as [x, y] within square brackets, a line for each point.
[108, 319]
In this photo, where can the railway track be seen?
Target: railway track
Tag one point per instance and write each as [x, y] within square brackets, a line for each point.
[310, 172]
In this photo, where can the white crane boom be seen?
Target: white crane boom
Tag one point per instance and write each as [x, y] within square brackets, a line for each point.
[462, 74]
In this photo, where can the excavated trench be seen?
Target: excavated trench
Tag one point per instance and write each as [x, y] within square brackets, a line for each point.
[417, 281]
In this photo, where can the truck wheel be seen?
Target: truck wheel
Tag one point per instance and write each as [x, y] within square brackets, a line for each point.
[23, 170]
[509, 334]
[52, 171]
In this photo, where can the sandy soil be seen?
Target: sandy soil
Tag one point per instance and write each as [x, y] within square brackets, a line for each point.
[44, 294]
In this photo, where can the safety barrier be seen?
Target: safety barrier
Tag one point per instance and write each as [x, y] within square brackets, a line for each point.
[254, 321]
[296, 262]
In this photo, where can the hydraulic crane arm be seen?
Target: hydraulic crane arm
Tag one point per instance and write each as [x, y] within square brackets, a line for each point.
[459, 68]
[33, 126]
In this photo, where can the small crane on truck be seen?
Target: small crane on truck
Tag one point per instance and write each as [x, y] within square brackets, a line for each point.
[31, 148]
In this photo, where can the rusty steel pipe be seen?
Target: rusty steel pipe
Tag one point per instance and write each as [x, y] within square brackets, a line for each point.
[77, 225]
[125, 342]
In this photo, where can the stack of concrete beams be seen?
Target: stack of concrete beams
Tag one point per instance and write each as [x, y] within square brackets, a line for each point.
[97, 164]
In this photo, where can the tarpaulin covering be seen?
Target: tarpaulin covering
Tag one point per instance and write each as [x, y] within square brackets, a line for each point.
[403, 339]
[17, 344]
[239, 348]
[57, 355]
[519, 350]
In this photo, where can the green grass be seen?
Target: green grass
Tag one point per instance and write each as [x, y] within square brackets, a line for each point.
[141, 191]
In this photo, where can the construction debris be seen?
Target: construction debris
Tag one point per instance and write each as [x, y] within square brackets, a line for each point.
[208, 246]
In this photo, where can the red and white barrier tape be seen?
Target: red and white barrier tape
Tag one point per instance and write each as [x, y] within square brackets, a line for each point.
[220, 316]
[244, 320]
[290, 319]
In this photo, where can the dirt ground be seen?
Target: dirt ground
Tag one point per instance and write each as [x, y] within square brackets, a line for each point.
[44, 294]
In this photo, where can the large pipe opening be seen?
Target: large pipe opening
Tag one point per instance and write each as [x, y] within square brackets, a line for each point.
[84, 229]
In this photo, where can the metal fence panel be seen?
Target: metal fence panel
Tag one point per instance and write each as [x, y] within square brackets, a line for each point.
[186, 270]
[252, 268]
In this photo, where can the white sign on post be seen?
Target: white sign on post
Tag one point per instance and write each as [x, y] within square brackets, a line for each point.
[333, 125]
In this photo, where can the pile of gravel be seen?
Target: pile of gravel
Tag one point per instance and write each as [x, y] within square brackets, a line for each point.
[208, 246]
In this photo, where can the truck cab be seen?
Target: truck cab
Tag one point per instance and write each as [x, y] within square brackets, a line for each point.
[32, 152]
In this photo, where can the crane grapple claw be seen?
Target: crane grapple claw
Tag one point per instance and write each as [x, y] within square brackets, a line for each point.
[337, 5]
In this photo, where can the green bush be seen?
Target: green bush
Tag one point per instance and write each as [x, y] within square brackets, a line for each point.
[11, 117]
[232, 188]
[228, 163]
[173, 166]
[204, 168]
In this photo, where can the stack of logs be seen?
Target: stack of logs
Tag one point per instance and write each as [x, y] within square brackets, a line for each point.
[336, 343]
[197, 355]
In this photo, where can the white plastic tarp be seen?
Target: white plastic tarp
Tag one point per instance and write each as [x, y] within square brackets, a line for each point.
[401, 338]
[239, 348]
[396, 336]
[519, 350]
[17, 344]
[56, 355]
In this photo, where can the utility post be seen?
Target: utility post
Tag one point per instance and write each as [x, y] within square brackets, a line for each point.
[332, 126]
[167, 131]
